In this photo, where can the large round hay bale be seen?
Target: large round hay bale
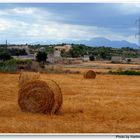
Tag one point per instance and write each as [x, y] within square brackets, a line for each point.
[28, 77]
[58, 98]
[31, 87]
[90, 74]
[36, 96]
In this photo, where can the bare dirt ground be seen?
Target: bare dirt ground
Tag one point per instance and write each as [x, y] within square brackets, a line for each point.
[107, 104]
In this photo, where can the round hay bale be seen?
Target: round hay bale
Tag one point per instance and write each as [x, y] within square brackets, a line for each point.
[58, 98]
[36, 96]
[90, 74]
[27, 77]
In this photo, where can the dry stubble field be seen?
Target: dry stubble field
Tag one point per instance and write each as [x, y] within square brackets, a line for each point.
[110, 103]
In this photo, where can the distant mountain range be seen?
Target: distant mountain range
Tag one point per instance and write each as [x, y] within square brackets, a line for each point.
[96, 42]
[100, 41]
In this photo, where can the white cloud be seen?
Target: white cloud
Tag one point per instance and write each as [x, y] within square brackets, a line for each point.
[18, 11]
[129, 8]
[59, 31]
[32, 24]
[23, 10]
[4, 25]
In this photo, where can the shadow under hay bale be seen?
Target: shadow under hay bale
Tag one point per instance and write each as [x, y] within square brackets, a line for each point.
[39, 96]
[90, 74]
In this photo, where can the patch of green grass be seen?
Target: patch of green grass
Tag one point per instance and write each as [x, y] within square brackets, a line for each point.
[8, 68]
[12, 64]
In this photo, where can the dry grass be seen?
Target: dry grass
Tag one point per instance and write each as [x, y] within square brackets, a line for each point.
[100, 66]
[28, 77]
[109, 103]
[58, 98]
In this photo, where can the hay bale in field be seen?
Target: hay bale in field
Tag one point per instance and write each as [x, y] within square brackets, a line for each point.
[31, 87]
[58, 98]
[27, 77]
[90, 74]
[36, 96]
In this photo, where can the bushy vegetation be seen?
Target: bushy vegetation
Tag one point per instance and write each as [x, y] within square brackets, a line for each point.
[100, 52]
[12, 65]
[78, 50]
[13, 51]
[5, 56]
[17, 52]
[105, 53]
[125, 72]
[41, 57]
[8, 66]
[92, 57]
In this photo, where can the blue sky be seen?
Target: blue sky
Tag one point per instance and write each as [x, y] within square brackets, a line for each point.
[60, 22]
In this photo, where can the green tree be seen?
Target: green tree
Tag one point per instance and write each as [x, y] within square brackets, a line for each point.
[91, 57]
[5, 56]
[78, 50]
[41, 57]
[17, 52]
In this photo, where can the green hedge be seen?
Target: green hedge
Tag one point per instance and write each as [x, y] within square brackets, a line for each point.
[8, 68]
[126, 72]
[12, 64]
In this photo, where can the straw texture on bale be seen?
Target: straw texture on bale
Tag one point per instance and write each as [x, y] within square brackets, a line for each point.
[58, 98]
[90, 74]
[28, 77]
[36, 97]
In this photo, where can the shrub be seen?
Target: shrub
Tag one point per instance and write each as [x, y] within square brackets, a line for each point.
[41, 57]
[12, 64]
[5, 56]
[8, 68]
[92, 58]
[9, 65]
[29, 61]
[126, 72]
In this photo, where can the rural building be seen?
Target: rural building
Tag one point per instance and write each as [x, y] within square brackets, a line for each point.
[20, 47]
[51, 58]
[54, 58]
[57, 53]
[116, 59]
[85, 58]
[66, 48]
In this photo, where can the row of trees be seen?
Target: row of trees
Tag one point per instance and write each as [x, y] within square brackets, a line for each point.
[40, 57]
[78, 50]
[99, 52]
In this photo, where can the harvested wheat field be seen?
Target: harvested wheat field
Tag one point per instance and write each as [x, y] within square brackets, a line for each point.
[107, 104]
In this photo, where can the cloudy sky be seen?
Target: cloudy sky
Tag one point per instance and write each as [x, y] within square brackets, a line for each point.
[29, 23]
